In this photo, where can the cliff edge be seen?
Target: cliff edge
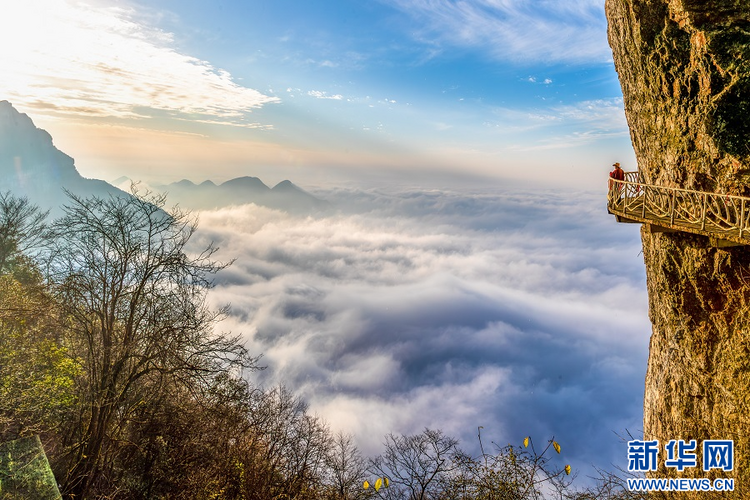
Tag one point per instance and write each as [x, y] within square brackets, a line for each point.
[684, 68]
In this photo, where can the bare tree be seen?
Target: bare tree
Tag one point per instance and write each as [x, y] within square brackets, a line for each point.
[22, 227]
[346, 468]
[416, 466]
[513, 473]
[136, 303]
[287, 447]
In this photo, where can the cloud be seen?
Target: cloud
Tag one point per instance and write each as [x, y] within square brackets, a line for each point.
[526, 31]
[104, 62]
[523, 313]
[564, 125]
[319, 94]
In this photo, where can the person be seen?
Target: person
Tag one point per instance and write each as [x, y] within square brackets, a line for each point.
[616, 174]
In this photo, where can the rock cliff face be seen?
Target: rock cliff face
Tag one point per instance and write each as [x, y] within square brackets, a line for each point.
[684, 67]
[31, 166]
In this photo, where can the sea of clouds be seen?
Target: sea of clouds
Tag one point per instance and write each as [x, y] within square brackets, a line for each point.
[524, 313]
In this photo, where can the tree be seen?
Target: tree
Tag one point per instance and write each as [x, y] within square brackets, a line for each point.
[416, 466]
[22, 227]
[512, 473]
[189, 444]
[37, 373]
[286, 448]
[346, 469]
[135, 299]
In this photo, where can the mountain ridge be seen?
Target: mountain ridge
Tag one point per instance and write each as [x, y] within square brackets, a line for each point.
[207, 194]
[31, 166]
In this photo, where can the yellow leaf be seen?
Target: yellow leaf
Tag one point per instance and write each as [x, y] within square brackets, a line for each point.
[526, 442]
[386, 481]
[366, 485]
[567, 469]
[556, 446]
[378, 484]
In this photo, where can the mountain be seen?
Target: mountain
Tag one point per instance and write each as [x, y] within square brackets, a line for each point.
[242, 190]
[30, 164]
[684, 69]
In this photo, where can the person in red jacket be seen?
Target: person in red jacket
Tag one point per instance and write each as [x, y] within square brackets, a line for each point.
[617, 174]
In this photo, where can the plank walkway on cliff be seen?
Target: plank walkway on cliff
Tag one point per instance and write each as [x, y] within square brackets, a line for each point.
[723, 218]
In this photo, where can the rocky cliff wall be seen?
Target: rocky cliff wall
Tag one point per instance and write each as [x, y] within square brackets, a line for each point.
[31, 166]
[684, 67]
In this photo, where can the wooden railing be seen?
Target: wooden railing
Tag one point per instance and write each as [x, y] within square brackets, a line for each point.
[722, 216]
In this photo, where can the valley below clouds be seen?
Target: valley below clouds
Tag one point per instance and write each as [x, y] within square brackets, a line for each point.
[524, 313]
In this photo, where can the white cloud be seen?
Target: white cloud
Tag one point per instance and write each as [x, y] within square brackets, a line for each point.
[447, 310]
[527, 31]
[564, 125]
[80, 59]
[319, 94]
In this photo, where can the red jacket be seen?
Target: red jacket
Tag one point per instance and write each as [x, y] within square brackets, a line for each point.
[618, 174]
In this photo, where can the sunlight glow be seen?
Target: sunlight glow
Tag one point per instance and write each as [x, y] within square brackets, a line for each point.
[79, 59]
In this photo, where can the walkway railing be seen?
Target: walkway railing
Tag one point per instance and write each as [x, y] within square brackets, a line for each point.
[722, 216]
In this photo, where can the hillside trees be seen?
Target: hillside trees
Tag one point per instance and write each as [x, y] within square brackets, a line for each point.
[135, 299]
[417, 465]
[518, 472]
[22, 226]
[346, 469]
[36, 370]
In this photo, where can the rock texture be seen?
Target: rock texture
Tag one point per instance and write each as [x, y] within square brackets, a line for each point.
[684, 67]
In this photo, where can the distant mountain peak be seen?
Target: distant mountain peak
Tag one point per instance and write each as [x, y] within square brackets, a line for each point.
[241, 191]
[27, 152]
[245, 182]
[286, 185]
[31, 165]
[120, 180]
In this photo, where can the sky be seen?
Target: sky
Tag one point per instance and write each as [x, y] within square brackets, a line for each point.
[468, 274]
[423, 92]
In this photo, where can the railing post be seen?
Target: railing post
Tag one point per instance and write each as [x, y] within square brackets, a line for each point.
[625, 199]
[671, 208]
[703, 213]
[643, 200]
[742, 216]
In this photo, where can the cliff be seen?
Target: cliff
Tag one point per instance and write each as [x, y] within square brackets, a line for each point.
[31, 166]
[684, 68]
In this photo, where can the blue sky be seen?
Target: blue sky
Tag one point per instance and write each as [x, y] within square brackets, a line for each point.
[410, 90]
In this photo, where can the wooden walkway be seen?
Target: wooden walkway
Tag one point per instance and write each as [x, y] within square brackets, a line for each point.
[723, 218]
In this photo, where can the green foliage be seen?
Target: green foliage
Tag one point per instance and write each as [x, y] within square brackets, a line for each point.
[24, 471]
[37, 372]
